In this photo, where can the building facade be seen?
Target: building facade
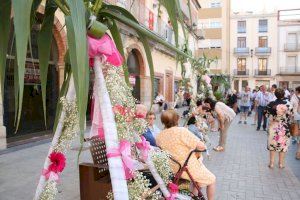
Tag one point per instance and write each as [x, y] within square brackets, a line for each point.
[253, 49]
[167, 74]
[214, 21]
[288, 50]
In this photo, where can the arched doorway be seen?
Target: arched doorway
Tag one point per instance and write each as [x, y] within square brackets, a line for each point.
[32, 117]
[134, 63]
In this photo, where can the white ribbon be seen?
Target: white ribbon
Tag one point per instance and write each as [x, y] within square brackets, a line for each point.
[117, 174]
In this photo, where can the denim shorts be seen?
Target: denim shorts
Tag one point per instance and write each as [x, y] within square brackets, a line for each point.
[244, 109]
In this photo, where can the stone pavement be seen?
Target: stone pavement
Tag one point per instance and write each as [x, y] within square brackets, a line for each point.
[241, 170]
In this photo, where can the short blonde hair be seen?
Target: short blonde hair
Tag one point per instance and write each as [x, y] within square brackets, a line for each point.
[169, 118]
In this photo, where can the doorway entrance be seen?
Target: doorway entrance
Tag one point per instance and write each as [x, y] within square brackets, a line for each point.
[32, 117]
[134, 63]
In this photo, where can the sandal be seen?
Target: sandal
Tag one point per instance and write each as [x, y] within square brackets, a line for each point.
[219, 148]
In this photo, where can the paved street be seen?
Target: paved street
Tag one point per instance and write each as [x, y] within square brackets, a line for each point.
[241, 170]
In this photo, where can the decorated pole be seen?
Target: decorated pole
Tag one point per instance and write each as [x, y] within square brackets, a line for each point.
[117, 174]
[70, 96]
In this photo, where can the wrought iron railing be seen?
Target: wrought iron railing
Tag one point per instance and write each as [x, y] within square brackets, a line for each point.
[266, 72]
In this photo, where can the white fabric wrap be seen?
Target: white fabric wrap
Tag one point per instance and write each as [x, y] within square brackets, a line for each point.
[117, 174]
[70, 96]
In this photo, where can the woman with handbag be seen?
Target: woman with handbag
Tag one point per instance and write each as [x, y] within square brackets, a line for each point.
[295, 101]
[280, 113]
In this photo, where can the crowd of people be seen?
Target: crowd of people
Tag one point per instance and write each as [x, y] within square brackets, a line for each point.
[272, 109]
[194, 135]
[263, 105]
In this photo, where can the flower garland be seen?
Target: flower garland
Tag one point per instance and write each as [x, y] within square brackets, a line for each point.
[71, 125]
[130, 126]
[57, 156]
[50, 191]
[161, 161]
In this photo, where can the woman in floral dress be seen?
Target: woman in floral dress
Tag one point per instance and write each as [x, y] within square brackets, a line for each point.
[279, 113]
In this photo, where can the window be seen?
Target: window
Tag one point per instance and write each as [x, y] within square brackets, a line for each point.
[156, 86]
[241, 64]
[215, 4]
[241, 26]
[292, 38]
[262, 41]
[291, 62]
[244, 83]
[215, 24]
[263, 25]
[241, 42]
[262, 64]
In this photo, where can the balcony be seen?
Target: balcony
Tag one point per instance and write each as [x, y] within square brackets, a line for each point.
[291, 47]
[262, 51]
[148, 19]
[266, 72]
[290, 70]
[237, 72]
[244, 51]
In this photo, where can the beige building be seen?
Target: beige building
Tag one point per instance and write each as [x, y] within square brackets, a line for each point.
[214, 21]
[167, 74]
[253, 49]
[288, 49]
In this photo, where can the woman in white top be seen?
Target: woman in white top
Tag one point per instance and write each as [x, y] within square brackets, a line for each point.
[295, 101]
[225, 116]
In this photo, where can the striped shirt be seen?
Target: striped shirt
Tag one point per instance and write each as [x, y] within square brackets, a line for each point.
[263, 99]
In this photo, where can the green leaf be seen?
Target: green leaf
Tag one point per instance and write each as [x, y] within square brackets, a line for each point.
[114, 13]
[21, 11]
[16, 89]
[180, 18]
[34, 7]
[150, 63]
[5, 7]
[44, 47]
[147, 49]
[172, 12]
[118, 41]
[76, 35]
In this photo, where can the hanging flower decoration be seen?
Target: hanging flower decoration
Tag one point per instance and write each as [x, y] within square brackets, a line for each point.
[58, 162]
[105, 47]
[57, 165]
[118, 109]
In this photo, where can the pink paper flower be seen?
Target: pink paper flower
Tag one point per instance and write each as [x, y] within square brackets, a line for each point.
[118, 109]
[173, 188]
[58, 162]
[281, 109]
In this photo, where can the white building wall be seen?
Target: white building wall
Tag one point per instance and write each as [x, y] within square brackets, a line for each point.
[252, 42]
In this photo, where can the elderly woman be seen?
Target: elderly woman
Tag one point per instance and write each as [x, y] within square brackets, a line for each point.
[179, 142]
[279, 113]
